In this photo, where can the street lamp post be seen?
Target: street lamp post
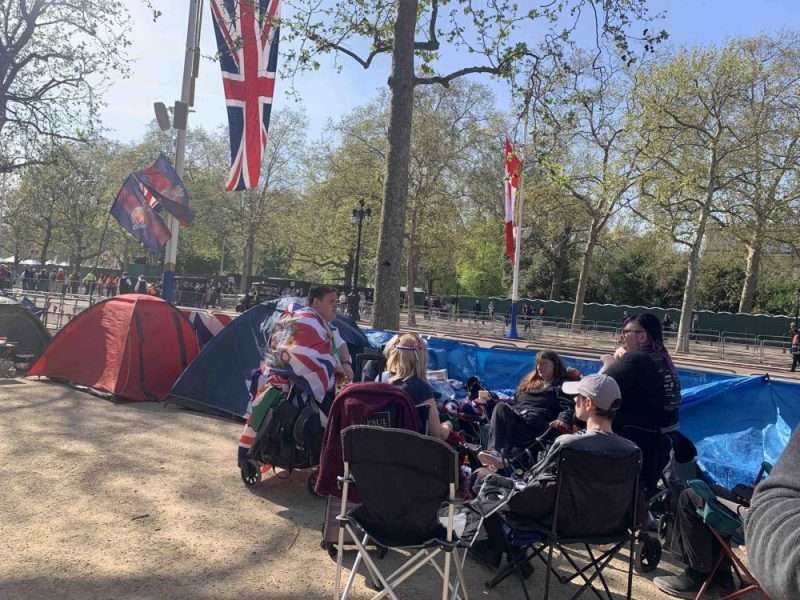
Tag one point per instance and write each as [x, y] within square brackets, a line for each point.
[360, 214]
[180, 116]
[797, 309]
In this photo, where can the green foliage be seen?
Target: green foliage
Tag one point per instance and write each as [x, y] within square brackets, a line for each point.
[481, 261]
[55, 58]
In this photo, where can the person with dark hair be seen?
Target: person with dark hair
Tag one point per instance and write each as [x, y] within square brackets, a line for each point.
[538, 404]
[795, 349]
[322, 299]
[651, 394]
[597, 399]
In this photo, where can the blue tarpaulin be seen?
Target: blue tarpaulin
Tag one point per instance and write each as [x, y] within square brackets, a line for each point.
[736, 422]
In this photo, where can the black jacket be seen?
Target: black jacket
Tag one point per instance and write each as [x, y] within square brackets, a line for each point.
[545, 405]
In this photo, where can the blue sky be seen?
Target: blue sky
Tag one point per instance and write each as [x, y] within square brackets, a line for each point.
[158, 62]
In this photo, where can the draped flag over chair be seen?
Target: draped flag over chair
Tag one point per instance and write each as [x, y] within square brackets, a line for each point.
[513, 166]
[301, 349]
[247, 40]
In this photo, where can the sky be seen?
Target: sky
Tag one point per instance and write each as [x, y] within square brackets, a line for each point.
[326, 95]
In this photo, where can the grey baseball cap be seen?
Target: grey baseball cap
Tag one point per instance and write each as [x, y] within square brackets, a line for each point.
[602, 389]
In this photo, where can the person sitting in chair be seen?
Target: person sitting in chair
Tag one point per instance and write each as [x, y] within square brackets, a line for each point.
[538, 404]
[697, 547]
[597, 399]
[406, 366]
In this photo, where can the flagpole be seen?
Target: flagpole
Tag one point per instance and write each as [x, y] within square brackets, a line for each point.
[187, 98]
[512, 329]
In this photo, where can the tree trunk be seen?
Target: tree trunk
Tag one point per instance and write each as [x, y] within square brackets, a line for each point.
[395, 193]
[692, 273]
[47, 238]
[249, 250]
[561, 263]
[411, 284]
[754, 249]
[583, 278]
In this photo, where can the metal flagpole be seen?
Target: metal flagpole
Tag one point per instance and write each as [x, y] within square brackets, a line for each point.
[512, 329]
[190, 64]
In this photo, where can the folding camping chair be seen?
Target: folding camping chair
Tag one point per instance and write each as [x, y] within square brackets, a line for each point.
[596, 504]
[403, 479]
[728, 528]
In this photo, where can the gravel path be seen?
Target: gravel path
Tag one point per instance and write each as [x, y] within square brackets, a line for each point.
[103, 500]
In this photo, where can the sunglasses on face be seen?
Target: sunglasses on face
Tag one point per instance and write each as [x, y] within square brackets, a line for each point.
[627, 331]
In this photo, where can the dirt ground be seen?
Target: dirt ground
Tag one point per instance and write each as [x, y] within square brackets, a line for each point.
[103, 500]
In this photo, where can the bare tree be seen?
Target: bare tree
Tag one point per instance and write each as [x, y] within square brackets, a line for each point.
[55, 56]
[688, 118]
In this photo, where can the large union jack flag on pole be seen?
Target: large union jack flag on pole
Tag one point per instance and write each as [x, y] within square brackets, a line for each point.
[247, 40]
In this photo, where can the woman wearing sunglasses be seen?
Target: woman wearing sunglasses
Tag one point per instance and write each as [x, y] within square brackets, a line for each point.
[651, 393]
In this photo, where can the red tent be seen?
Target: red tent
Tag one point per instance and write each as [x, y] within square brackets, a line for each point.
[134, 346]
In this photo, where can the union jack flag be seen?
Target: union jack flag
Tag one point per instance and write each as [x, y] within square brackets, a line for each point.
[247, 40]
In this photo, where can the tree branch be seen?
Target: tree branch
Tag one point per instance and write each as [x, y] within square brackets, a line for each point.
[446, 79]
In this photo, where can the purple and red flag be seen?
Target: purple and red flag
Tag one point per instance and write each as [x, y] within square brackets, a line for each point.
[163, 187]
[134, 213]
[247, 41]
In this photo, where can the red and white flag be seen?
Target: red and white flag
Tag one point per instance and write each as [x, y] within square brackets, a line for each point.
[513, 167]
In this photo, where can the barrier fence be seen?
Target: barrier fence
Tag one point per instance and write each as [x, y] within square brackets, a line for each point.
[57, 308]
[600, 335]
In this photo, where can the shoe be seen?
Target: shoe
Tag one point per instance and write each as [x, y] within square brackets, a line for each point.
[492, 460]
[486, 554]
[685, 585]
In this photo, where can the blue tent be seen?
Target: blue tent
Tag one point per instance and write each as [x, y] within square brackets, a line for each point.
[218, 379]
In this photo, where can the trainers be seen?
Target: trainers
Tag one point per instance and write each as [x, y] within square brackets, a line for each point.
[685, 585]
[492, 460]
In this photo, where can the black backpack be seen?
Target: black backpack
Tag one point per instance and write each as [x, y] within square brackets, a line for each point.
[290, 436]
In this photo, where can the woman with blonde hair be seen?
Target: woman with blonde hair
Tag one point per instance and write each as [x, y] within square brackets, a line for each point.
[406, 367]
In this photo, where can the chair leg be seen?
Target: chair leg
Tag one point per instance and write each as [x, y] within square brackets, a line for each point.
[460, 577]
[549, 570]
[707, 583]
[630, 567]
[516, 567]
[372, 567]
[580, 572]
[598, 564]
[446, 576]
[409, 568]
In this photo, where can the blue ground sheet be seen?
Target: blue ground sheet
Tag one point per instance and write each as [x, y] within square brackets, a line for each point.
[736, 422]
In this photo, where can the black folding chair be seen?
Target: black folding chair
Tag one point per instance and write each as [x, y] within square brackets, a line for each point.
[596, 504]
[404, 479]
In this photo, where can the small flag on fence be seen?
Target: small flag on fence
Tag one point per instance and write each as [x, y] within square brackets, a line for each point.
[513, 167]
[134, 214]
[161, 181]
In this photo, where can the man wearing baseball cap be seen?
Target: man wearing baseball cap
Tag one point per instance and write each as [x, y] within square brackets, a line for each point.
[597, 399]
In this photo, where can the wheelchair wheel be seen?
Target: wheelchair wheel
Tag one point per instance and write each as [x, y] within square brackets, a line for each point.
[251, 474]
[647, 553]
[665, 530]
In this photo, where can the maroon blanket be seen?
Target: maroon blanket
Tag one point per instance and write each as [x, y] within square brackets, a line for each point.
[380, 404]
